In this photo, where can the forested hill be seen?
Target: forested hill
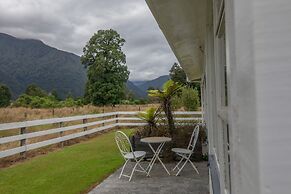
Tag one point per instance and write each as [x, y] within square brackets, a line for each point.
[138, 93]
[140, 87]
[155, 83]
[27, 61]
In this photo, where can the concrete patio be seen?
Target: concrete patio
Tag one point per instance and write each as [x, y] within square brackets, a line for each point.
[159, 182]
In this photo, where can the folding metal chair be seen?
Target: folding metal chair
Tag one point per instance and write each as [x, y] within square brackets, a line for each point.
[185, 154]
[128, 154]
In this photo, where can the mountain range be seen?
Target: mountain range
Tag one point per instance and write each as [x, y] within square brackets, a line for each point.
[139, 88]
[28, 61]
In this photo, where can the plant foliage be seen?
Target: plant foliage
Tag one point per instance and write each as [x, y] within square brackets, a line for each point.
[5, 96]
[151, 116]
[190, 99]
[178, 75]
[49, 101]
[34, 90]
[106, 69]
[170, 89]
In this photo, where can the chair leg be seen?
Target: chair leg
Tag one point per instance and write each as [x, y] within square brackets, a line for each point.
[181, 168]
[141, 167]
[134, 168]
[194, 166]
[132, 171]
[151, 164]
[177, 166]
[121, 173]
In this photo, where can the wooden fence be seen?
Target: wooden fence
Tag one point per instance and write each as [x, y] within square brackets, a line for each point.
[97, 122]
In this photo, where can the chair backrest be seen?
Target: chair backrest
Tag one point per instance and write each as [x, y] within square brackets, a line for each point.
[123, 143]
[194, 138]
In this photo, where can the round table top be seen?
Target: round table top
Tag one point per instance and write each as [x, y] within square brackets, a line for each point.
[155, 139]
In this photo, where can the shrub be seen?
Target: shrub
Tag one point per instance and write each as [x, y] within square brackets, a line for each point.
[69, 102]
[190, 99]
[23, 101]
[34, 90]
[5, 96]
[176, 102]
[45, 102]
[141, 101]
[35, 101]
[126, 102]
[38, 102]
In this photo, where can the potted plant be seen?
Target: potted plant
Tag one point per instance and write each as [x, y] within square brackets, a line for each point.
[151, 117]
[170, 89]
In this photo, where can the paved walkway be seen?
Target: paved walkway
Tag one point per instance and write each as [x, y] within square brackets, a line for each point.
[159, 182]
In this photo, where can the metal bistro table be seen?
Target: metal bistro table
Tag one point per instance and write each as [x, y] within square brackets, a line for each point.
[156, 140]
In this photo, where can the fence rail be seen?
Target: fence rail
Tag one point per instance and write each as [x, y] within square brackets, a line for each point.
[108, 121]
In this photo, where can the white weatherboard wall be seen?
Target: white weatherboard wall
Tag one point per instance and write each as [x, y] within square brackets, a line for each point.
[245, 169]
[258, 61]
[259, 54]
[272, 45]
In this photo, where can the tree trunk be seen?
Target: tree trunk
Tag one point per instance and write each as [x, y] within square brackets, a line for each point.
[169, 115]
[150, 130]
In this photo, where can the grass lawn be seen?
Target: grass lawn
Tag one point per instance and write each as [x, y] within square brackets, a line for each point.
[73, 169]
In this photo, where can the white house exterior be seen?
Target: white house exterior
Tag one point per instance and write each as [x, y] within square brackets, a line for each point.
[241, 52]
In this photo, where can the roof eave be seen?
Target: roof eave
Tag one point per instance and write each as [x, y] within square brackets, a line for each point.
[183, 24]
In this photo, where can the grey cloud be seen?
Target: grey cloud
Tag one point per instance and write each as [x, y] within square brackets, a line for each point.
[68, 25]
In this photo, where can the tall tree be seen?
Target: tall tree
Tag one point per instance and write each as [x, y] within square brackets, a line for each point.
[106, 69]
[177, 74]
[5, 96]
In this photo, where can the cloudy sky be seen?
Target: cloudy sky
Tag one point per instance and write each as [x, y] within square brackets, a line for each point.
[68, 25]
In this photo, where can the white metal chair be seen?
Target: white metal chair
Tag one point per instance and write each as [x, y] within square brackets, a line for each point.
[128, 154]
[185, 154]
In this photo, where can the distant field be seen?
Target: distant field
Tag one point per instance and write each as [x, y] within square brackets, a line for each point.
[8, 115]
[74, 169]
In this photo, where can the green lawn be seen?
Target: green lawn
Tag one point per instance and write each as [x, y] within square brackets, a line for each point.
[73, 169]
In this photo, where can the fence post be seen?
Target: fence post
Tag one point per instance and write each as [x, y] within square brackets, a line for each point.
[116, 116]
[23, 141]
[61, 134]
[103, 124]
[85, 128]
[84, 122]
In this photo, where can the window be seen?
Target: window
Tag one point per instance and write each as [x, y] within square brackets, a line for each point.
[222, 72]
